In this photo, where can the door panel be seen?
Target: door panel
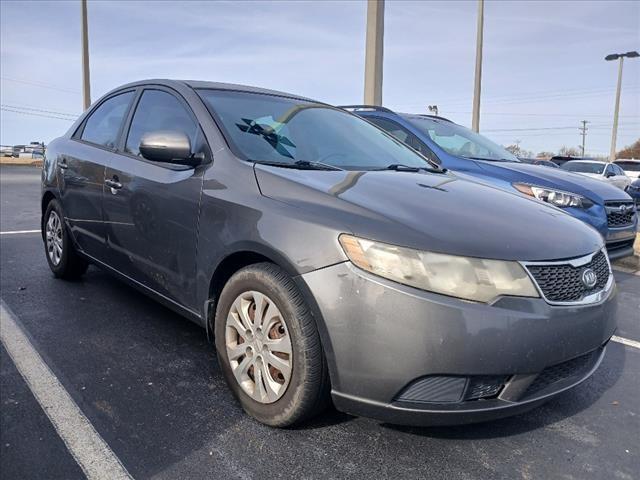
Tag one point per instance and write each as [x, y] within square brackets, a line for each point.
[151, 224]
[81, 174]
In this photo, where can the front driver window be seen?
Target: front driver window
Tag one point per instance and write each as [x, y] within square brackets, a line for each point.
[157, 111]
[104, 123]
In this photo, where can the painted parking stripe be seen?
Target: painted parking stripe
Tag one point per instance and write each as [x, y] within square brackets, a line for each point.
[86, 445]
[626, 341]
[19, 232]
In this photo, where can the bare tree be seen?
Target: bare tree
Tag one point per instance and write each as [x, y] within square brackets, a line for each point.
[569, 152]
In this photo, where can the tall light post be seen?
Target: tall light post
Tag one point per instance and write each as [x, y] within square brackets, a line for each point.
[374, 53]
[616, 111]
[475, 120]
[86, 87]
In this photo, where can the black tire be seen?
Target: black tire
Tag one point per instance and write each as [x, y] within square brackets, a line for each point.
[307, 393]
[71, 265]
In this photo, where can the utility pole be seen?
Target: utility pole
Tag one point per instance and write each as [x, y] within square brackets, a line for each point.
[86, 86]
[583, 131]
[374, 53]
[475, 121]
[614, 132]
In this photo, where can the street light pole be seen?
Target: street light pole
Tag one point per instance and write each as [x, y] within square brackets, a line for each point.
[86, 87]
[374, 53]
[475, 121]
[616, 111]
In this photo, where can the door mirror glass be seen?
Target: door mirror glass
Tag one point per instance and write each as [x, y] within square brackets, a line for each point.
[167, 146]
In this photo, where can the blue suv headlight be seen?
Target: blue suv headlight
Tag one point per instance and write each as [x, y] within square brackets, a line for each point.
[555, 197]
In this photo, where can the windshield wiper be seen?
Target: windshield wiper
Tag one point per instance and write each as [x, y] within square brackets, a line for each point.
[491, 159]
[399, 167]
[301, 165]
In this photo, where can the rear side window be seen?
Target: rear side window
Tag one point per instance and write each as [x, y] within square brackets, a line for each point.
[104, 123]
[159, 111]
[631, 166]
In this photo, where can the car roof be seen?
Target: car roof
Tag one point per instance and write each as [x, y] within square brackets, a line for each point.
[200, 84]
[626, 160]
[365, 109]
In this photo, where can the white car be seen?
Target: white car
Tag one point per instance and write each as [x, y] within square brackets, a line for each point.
[608, 172]
[631, 167]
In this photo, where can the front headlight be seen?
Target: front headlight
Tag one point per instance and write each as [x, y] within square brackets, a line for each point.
[462, 277]
[554, 197]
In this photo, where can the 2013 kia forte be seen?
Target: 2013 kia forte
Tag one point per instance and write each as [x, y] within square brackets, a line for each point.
[328, 260]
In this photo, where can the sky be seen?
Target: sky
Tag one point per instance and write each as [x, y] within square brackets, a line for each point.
[543, 67]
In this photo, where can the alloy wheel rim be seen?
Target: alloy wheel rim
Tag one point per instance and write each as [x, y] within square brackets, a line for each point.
[259, 347]
[54, 238]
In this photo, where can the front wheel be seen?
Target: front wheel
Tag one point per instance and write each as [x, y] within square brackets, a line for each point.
[269, 348]
[62, 257]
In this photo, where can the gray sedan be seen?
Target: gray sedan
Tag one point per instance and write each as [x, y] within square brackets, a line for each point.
[329, 261]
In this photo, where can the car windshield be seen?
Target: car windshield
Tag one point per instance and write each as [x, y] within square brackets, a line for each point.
[584, 167]
[293, 132]
[629, 166]
[460, 141]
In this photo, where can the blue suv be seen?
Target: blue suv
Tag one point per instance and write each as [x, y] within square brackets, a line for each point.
[605, 207]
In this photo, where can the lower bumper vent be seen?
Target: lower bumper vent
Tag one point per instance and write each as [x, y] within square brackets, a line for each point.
[444, 389]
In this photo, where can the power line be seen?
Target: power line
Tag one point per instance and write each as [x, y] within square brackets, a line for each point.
[35, 114]
[39, 84]
[72, 115]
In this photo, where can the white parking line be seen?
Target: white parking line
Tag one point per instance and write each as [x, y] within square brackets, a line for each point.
[86, 445]
[19, 232]
[626, 341]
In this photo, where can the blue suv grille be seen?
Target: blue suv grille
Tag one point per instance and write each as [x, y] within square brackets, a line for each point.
[620, 214]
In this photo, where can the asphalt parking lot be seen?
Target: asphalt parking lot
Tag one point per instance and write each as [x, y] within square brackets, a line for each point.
[148, 382]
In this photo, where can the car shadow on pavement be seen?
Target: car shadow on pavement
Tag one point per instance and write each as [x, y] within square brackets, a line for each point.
[563, 406]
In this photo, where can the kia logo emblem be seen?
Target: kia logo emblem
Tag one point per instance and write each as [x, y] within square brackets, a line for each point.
[589, 278]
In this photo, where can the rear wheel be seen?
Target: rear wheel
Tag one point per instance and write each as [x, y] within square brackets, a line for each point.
[62, 257]
[269, 348]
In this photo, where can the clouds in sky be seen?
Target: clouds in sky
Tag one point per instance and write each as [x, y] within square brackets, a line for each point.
[543, 61]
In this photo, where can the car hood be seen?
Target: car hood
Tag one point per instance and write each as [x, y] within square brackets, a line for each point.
[593, 188]
[435, 212]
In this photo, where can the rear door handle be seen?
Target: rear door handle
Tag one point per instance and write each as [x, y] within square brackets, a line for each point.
[113, 184]
[63, 164]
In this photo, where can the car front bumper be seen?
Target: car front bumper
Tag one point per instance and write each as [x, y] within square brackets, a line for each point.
[382, 339]
[619, 241]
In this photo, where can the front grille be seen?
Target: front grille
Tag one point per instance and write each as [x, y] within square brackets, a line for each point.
[556, 373]
[563, 282]
[617, 218]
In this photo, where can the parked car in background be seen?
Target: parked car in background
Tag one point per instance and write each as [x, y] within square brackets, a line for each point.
[607, 172]
[631, 167]
[634, 191]
[561, 160]
[539, 161]
[461, 150]
[329, 259]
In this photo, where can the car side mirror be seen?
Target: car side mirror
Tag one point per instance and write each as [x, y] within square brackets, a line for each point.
[609, 174]
[169, 146]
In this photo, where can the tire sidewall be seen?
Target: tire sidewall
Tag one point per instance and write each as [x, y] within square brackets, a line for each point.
[58, 270]
[283, 411]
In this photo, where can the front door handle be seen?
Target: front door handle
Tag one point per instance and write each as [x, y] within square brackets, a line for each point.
[113, 184]
[63, 164]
